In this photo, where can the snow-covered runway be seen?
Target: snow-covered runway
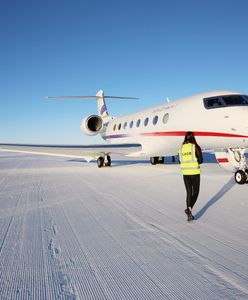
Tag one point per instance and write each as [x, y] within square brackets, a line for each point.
[69, 230]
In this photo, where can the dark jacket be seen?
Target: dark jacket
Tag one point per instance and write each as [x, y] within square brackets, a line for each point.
[198, 154]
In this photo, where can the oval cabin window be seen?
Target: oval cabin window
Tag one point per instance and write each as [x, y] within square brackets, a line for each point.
[146, 121]
[155, 120]
[165, 118]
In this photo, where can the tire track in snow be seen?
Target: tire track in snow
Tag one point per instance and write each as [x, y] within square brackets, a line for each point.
[14, 214]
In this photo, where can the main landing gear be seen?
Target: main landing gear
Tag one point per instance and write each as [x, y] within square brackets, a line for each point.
[104, 161]
[157, 160]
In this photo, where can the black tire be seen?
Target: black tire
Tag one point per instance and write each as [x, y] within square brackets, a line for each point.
[100, 162]
[108, 161]
[154, 160]
[240, 177]
[161, 160]
[246, 173]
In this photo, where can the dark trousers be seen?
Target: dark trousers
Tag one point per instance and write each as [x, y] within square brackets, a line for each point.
[192, 185]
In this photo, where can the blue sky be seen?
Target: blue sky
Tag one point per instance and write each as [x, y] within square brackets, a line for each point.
[147, 49]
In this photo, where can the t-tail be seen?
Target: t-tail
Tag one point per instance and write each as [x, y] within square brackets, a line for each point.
[95, 124]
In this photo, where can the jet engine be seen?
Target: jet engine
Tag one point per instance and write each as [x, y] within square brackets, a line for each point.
[91, 125]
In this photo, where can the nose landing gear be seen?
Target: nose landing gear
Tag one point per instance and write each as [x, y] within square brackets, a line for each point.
[233, 159]
[104, 161]
[241, 175]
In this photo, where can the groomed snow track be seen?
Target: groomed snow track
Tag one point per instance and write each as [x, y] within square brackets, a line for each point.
[71, 231]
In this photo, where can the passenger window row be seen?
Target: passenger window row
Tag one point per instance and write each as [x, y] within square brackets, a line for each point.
[139, 122]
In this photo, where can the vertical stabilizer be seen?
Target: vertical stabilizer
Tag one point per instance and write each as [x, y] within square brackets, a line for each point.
[101, 105]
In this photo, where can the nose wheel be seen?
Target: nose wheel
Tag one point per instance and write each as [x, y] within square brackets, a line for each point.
[241, 176]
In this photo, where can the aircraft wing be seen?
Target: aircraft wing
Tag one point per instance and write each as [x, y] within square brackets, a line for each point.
[88, 152]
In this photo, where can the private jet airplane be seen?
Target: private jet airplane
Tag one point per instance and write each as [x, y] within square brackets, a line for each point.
[218, 119]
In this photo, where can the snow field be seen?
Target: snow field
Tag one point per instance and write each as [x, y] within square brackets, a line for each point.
[69, 230]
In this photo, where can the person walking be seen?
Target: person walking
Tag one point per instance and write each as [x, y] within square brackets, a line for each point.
[190, 157]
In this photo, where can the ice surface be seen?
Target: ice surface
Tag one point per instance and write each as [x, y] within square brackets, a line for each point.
[69, 230]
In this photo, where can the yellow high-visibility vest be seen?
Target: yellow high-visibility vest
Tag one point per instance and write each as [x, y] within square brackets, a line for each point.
[188, 161]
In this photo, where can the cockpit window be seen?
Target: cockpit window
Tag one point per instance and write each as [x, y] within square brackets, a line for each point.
[225, 101]
[234, 100]
[213, 102]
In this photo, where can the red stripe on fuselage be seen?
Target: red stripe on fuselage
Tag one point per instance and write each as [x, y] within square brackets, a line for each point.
[222, 160]
[177, 133]
[197, 133]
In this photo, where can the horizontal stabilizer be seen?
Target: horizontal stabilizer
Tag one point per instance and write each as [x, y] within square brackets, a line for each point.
[90, 97]
[100, 97]
[100, 94]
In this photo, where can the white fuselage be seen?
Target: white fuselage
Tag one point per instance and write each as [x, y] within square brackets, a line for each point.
[161, 129]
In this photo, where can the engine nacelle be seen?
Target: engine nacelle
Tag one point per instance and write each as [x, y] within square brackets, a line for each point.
[91, 125]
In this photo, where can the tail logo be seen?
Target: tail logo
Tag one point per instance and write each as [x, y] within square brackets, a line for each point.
[103, 111]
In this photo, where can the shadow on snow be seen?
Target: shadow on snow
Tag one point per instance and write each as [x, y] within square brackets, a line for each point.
[231, 182]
